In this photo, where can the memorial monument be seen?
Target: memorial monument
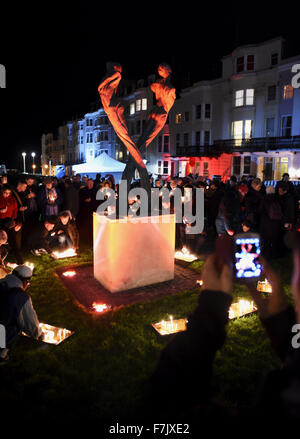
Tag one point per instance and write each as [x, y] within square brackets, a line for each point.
[134, 253]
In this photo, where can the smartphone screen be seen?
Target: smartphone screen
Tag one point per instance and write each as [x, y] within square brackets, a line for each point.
[247, 252]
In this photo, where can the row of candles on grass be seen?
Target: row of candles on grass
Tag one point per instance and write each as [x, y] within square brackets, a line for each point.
[236, 310]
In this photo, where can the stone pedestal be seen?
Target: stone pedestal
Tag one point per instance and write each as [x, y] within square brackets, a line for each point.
[131, 254]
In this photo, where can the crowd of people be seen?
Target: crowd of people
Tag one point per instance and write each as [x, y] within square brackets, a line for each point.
[248, 205]
[53, 215]
[42, 218]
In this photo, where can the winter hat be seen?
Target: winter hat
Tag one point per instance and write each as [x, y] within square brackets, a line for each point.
[23, 272]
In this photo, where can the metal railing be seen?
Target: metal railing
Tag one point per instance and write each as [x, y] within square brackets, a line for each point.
[255, 144]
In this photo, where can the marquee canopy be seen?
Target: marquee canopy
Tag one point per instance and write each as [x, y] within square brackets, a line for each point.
[101, 164]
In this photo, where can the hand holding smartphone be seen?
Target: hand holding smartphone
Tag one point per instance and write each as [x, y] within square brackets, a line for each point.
[246, 256]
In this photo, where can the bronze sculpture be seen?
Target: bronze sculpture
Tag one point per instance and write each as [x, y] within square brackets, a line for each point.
[165, 96]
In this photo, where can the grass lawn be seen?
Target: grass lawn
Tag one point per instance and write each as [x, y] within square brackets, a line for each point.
[100, 372]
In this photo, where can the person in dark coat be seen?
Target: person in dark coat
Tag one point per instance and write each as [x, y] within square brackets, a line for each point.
[290, 186]
[12, 229]
[213, 198]
[87, 205]
[71, 198]
[66, 226]
[43, 237]
[253, 200]
[20, 195]
[270, 226]
[49, 199]
[228, 220]
[16, 310]
[287, 204]
[181, 385]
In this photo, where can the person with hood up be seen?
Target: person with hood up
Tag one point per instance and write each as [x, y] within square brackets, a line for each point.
[16, 310]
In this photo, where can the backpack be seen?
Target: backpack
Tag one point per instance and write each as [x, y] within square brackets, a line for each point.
[275, 212]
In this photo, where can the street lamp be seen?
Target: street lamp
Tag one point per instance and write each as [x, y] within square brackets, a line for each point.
[33, 165]
[24, 161]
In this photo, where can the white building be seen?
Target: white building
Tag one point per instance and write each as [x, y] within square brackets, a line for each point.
[246, 122]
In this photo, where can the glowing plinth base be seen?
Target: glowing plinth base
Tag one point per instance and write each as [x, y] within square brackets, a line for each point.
[130, 254]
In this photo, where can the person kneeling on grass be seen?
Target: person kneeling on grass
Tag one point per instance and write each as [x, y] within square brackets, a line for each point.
[67, 231]
[43, 239]
[16, 310]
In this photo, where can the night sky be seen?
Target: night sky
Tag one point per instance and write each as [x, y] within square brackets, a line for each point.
[55, 55]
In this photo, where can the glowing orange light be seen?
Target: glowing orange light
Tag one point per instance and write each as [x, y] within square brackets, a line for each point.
[241, 308]
[185, 255]
[30, 265]
[69, 253]
[100, 307]
[170, 326]
[70, 273]
[264, 286]
[199, 282]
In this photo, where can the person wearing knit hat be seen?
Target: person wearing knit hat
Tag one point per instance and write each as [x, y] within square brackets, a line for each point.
[16, 310]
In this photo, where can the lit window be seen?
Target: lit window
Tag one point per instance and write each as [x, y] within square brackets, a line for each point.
[237, 132]
[120, 154]
[205, 169]
[178, 118]
[288, 91]
[132, 108]
[248, 129]
[239, 98]
[144, 104]
[250, 96]
[159, 167]
[138, 105]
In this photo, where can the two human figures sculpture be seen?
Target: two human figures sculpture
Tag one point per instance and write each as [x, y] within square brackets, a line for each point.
[165, 96]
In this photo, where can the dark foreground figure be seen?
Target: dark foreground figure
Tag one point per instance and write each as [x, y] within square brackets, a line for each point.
[182, 380]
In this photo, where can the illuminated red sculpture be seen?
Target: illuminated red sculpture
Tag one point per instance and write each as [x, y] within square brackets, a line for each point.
[165, 96]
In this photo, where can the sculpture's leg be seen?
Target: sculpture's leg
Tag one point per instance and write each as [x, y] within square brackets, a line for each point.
[128, 172]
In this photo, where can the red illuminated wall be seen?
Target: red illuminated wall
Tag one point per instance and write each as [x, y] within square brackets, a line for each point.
[216, 166]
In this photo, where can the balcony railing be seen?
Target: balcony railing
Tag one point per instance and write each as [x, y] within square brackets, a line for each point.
[256, 144]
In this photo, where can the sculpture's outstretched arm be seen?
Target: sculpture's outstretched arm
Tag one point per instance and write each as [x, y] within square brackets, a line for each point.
[115, 112]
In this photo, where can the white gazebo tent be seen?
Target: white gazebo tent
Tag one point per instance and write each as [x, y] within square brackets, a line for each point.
[102, 164]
